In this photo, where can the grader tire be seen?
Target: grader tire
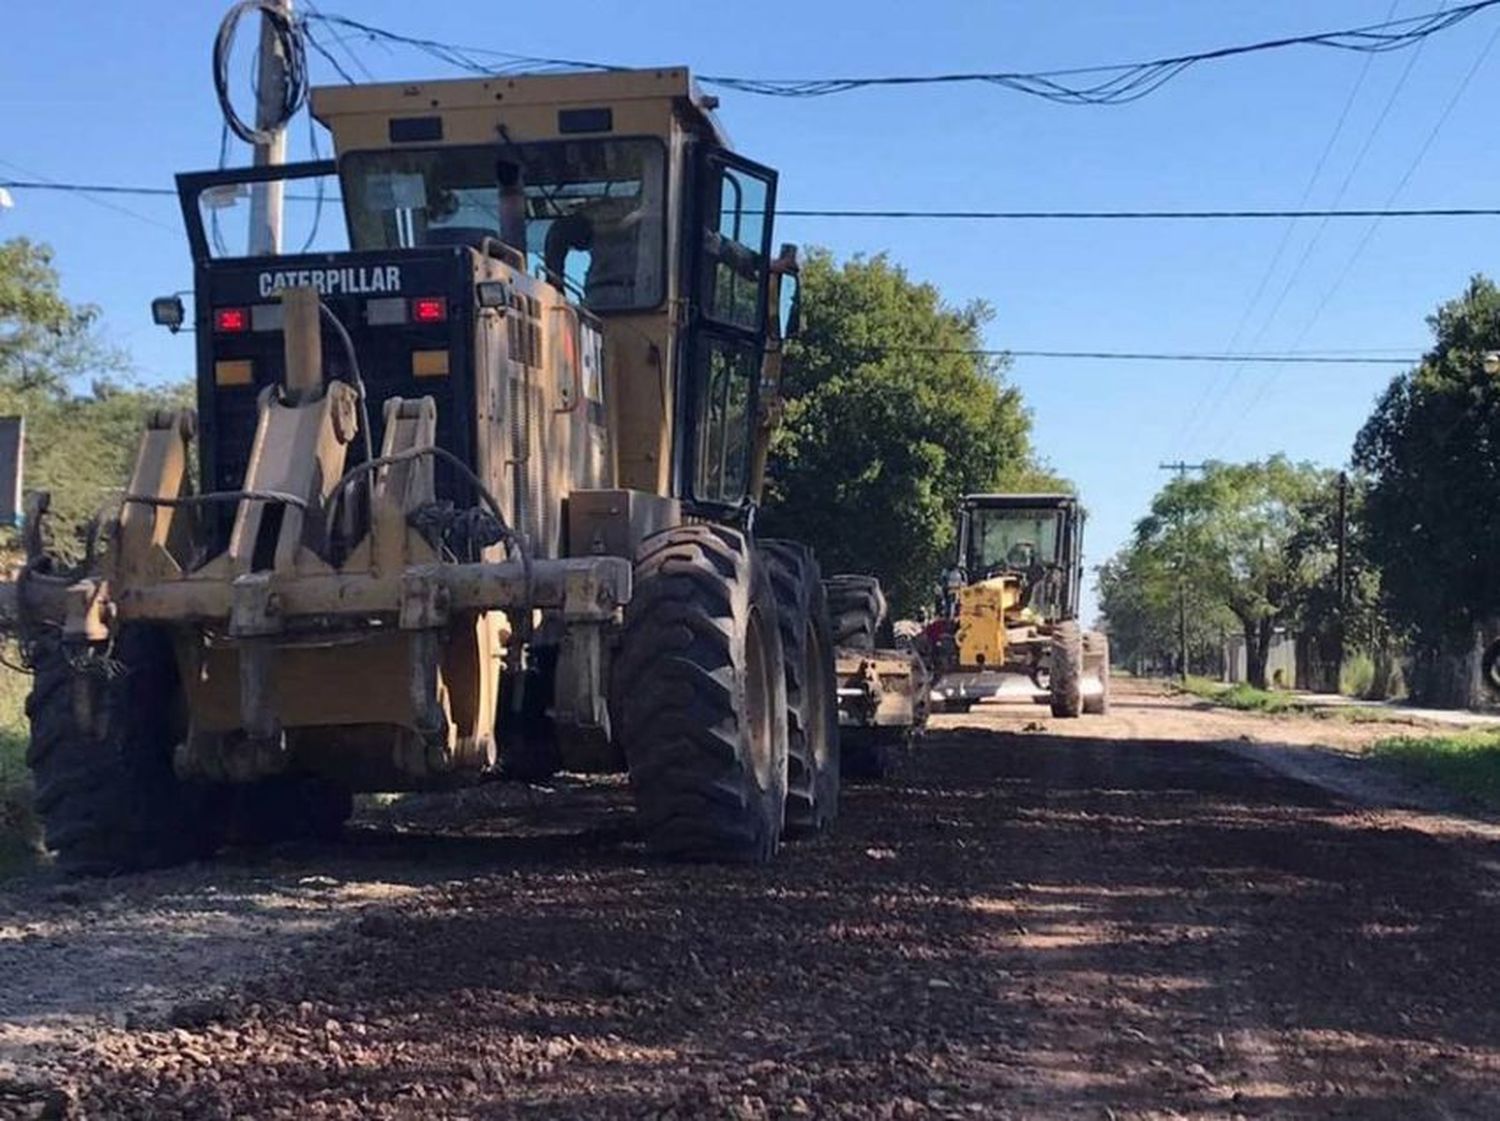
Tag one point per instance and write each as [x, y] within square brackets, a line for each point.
[1096, 658]
[1066, 670]
[699, 698]
[812, 793]
[106, 793]
[856, 606]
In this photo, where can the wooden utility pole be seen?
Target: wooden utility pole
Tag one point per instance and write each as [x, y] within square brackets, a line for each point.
[1343, 578]
[1182, 642]
[266, 198]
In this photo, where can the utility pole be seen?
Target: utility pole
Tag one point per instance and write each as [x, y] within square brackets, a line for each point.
[1343, 577]
[270, 80]
[1182, 643]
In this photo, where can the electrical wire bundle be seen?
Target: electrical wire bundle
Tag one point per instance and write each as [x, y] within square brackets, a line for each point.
[293, 92]
[1126, 82]
[459, 57]
[1116, 84]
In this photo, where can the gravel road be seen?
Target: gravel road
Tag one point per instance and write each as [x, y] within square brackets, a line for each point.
[1131, 917]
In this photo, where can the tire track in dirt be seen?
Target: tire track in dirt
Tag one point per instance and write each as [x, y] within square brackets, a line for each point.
[1021, 924]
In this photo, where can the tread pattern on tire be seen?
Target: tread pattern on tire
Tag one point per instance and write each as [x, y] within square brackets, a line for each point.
[857, 610]
[1066, 670]
[680, 702]
[107, 795]
[812, 791]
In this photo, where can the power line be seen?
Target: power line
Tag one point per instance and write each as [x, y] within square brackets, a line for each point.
[1312, 243]
[42, 182]
[934, 215]
[1114, 84]
[1369, 233]
[1286, 358]
[1208, 397]
[1142, 215]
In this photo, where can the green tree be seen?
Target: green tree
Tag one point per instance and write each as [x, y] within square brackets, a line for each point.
[1230, 531]
[891, 417]
[44, 340]
[82, 423]
[1431, 456]
[1138, 597]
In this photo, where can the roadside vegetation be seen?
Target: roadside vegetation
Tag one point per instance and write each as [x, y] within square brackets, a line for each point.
[18, 830]
[1247, 698]
[1383, 578]
[82, 413]
[892, 407]
[1466, 763]
[1242, 698]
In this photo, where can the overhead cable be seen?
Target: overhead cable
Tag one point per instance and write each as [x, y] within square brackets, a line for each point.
[1114, 84]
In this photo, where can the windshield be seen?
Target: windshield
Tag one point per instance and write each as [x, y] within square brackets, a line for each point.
[1015, 539]
[593, 210]
[230, 213]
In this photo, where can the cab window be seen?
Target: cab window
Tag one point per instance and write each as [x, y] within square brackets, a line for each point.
[594, 210]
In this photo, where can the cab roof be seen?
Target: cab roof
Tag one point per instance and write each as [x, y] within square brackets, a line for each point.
[1027, 501]
[583, 89]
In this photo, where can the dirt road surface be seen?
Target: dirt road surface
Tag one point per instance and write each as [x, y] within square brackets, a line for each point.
[1139, 916]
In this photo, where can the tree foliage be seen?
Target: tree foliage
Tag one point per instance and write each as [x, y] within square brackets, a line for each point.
[82, 424]
[891, 418]
[1239, 535]
[1431, 456]
[1138, 596]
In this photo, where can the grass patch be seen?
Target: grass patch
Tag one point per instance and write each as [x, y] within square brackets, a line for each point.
[1466, 763]
[1360, 714]
[18, 826]
[1244, 698]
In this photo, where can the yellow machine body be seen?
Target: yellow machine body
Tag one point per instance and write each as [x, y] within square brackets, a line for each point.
[979, 629]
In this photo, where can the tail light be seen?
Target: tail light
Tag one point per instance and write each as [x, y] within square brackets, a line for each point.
[429, 309]
[231, 320]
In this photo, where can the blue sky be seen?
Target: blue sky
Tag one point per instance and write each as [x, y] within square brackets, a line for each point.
[119, 93]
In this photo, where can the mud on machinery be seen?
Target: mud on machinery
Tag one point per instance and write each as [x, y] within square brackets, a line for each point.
[1007, 624]
[477, 496]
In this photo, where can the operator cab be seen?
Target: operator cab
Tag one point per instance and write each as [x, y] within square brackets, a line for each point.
[602, 217]
[1035, 537]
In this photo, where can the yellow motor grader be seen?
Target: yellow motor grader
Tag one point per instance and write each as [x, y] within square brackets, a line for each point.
[469, 492]
[1007, 627]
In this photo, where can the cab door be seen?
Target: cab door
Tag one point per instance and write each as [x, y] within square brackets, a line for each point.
[728, 272]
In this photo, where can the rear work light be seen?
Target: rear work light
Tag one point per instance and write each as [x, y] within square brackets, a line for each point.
[429, 309]
[231, 320]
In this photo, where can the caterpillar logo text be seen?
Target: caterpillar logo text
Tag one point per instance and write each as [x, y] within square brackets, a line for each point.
[358, 280]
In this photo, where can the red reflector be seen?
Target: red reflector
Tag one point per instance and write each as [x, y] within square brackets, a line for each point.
[231, 319]
[429, 309]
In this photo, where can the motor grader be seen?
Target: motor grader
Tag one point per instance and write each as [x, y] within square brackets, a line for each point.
[468, 493]
[1007, 624]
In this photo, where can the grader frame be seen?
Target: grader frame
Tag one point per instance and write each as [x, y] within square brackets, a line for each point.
[497, 521]
[1008, 619]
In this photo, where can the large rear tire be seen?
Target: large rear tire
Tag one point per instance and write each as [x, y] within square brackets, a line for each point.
[812, 793]
[857, 609]
[699, 697]
[106, 792]
[1066, 670]
[1096, 666]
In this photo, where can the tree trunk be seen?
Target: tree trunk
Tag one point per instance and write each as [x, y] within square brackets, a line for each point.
[1257, 651]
